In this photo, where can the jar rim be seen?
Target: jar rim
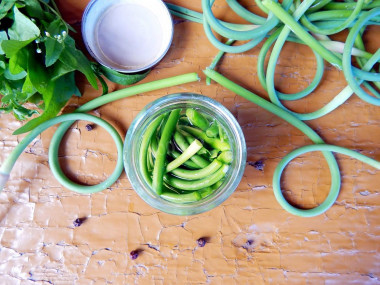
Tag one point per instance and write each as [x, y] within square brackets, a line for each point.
[163, 105]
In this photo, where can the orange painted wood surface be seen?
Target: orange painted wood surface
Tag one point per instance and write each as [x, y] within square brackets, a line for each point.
[252, 240]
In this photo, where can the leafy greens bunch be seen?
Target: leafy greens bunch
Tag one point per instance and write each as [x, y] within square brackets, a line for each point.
[38, 58]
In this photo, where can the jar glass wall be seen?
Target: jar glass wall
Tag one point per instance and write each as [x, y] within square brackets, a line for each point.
[206, 106]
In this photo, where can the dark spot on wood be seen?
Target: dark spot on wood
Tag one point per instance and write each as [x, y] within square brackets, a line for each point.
[135, 253]
[89, 127]
[78, 222]
[259, 165]
[201, 242]
[249, 244]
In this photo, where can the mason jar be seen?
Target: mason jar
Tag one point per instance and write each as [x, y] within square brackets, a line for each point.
[208, 107]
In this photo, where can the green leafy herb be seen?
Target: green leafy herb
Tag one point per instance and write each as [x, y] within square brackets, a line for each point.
[38, 59]
[34, 64]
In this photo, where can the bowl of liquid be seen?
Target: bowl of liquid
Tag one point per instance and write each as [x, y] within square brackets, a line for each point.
[127, 35]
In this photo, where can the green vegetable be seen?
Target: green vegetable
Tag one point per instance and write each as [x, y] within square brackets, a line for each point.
[34, 43]
[225, 157]
[189, 164]
[217, 58]
[213, 142]
[310, 23]
[319, 145]
[213, 130]
[189, 185]
[190, 139]
[159, 169]
[69, 119]
[182, 198]
[38, 59]
[183, 163]
[321, 17]
[197, 119]
[197, 174]
[183, 144]
[143, 155]
[185, 156]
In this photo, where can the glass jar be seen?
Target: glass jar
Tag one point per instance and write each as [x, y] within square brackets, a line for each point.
[206, 106]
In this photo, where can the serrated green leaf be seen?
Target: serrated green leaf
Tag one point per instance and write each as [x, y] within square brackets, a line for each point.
[3, 37]
[7, 99]
[35, 98]
[53, 51]
[11, 104]
[22, 113]
[14, 67]
[28, 86]
[23, 28]
[60, 69]
[6, 108]
[39, 77]
[53, 46]
[64, 88]
[18, 62]
[11, 47]
[120, 78]
[34, 9]
[77, 60]
[5, 6]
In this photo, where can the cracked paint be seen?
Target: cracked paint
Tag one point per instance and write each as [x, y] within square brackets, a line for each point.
[250, 238]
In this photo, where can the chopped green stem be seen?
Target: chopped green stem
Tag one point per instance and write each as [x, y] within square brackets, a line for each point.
[225, 157]
[189, 164]
[146, 139]
[183, 144]
[159, 165]
[182, 198]
[197, 184]
[197, 174]
[215, 143]
[138, 89]
[318, 5]
[213, 130]
[190, 139]
[163, 123]
[185, 156]
[197, 119]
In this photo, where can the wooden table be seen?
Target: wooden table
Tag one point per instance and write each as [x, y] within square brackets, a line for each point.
[252, 240]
